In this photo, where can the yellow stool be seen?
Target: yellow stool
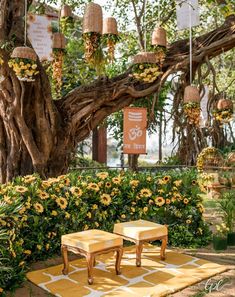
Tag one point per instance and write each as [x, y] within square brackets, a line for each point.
[142, 231]
[91, 243]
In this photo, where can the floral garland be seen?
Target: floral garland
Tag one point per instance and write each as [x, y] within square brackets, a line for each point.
[110, 40]
[208, 155]
[67, 24]
[93, 52]
[160, 52]
[25, 69]
[146, 72]
[192, 111]
[57, 67]
[223, 115]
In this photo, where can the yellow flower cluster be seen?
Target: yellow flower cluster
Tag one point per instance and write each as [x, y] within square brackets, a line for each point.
[24, 69]
[223, 116]
[192, 111]
[102, 175]
[147, 73]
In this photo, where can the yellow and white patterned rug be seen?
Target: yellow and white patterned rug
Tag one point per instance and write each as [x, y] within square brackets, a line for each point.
[154, 279]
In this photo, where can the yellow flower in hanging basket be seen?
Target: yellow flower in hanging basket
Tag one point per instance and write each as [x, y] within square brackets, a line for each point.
[22, 60]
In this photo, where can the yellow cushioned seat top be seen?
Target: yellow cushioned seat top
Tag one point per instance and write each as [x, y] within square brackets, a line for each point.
[140, 230]
[92, 240]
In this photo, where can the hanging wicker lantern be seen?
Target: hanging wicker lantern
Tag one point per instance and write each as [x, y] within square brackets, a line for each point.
[159, 37]
[159, 44]
[144, 57]
[24, 52]
[66, 11]
[23, 62]
[224, 104]
[110, 36]
[191, 94]
[110, 26]
[58, 41]
[93, 18]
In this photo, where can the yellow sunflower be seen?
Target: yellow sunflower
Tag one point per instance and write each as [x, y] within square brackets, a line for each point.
[116, 180]
[62, 202]
[149, 178]
[105, 199]
[186, 201]
[177, 183]
[102, 175]
[76, 191]
[38, 207]
[54, 213]
[134, 183]
[108, 185]
[21, 189]
[43, 195]
[145, 193]
[29, 179]
[159, 201]
[88, 215]
[166, 179]
[145, 209]
[168, 201]
[93, 186]
[94, 206]
[188, 221]
[100, 184]
[123, 216]
[194, 182]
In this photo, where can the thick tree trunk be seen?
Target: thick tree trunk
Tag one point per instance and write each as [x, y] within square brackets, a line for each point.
[37, 134]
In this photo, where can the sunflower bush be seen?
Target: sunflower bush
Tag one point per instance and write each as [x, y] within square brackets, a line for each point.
[34, 213]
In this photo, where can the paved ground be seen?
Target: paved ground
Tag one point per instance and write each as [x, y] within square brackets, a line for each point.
[222, 285]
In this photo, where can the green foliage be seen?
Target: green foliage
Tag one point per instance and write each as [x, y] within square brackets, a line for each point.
[35, 213]
[227, 206]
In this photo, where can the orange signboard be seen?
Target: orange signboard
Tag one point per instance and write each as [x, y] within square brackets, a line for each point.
[134, 134]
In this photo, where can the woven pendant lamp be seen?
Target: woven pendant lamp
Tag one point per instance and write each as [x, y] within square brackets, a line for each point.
[24, 52]
[191, 94]
[93, 19]
[159, 37]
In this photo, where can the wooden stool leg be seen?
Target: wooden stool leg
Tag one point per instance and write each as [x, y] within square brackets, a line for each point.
[90, 262]
[139, 248]
[119, 253]
[64, 252]
[163, 248]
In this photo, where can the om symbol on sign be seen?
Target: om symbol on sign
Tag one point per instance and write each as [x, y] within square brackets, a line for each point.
[135, 133]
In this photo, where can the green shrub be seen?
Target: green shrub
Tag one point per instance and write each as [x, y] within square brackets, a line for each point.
[35, 213]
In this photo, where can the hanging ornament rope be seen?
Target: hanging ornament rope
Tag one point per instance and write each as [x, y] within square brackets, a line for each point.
[145, 27]
[190, 43]
[25, 22]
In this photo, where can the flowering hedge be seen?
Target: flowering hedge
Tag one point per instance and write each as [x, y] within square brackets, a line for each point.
[35, 213]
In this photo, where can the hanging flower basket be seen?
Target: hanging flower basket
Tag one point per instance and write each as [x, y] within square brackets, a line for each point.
[224, 111]
[145, 67]
[23, 62]
[159, 44]
[192, 105]
[209, 157]
[58, 45]
[92, 30]
[110, 35]
[66, 19]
